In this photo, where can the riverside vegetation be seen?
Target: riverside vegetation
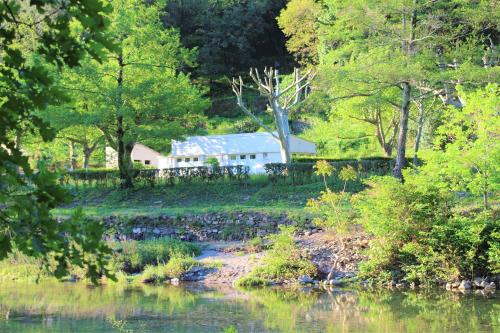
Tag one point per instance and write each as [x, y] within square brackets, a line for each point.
[414, 81]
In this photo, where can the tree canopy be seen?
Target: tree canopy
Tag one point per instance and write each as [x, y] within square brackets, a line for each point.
[26, 85]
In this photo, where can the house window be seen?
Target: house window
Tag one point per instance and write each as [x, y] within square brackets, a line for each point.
[137, 161]
[187, 159]
[232, 157]
[195, 159]
[147, 162]
[252, 157]
[179, 160]
[242, 157]
[264, 155]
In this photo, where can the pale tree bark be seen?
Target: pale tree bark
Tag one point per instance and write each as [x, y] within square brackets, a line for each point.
[386, 136]
[88, 147]
[18, 142]
[87, 153]
[280, 101]
[72, 156]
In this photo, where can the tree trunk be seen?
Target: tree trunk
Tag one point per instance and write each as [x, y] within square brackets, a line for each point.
[86, 157]
[403, 133]
[72, 157]
[386, 146]
[283, 133]
[18, 146]
[123, 164]
[419, 131]
[408, 48]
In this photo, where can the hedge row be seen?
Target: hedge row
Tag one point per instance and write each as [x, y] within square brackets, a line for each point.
[301, 172]
[297, 172]
[154, 177]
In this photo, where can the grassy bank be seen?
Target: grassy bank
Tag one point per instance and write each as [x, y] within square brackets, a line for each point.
[198, 197]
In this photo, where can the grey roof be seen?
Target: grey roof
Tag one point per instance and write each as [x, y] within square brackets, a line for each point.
[245, 143]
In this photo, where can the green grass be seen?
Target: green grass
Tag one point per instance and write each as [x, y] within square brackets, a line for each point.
[198, 198]
[251, 281]
[133, 256]
[282, 262]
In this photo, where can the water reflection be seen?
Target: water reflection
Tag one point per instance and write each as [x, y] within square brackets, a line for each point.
[58, 307]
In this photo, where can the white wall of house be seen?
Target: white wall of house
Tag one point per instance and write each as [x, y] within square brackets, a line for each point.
[255, 161]
[252, 149]
[145, 155]
[140, 153]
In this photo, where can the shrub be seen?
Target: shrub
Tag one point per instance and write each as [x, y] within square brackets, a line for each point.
[333, 208]
[154, 274]
[246, 126]
[419, 236]
[212, 162]
[251, 281]
[179, 265]
[283, 261]
[255, 244]
[150, 176]
[133, 256]
[176, 267]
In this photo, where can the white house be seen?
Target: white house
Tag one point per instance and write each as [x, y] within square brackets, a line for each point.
[249, 149]
[140, 153]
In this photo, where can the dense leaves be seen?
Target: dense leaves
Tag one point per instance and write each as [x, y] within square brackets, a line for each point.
[26, 197]
[420, 237]
[137, 94]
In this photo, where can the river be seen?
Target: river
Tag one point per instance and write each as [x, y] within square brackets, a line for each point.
[64, 307]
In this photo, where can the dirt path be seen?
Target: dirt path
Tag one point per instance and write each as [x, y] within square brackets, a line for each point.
[334, 256]
[233, 263]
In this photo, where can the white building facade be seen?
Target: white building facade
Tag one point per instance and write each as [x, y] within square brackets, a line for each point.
[140, 153]
[249, 149]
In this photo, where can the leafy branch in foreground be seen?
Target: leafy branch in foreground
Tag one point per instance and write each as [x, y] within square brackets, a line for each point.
[32, 40]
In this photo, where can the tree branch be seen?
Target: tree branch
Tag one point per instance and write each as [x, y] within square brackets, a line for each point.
[237, 87]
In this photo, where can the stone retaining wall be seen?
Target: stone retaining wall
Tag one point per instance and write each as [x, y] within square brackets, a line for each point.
[203, 227]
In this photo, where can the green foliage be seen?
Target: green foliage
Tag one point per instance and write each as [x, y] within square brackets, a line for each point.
[230, 329]
[212, 162]
[246, 126]
[176, 267]
[251, 281]
[141, 82]
[418, 236]
[298, 22]
[32, 42]
[22, 268]
[133, 256]
[283, 261]
[467, 155]
[147, 176]
[333, 208]
[255, 244]
[230, 35]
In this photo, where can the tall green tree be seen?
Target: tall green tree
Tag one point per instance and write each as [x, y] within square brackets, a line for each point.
[419, 48]
[299, 22]
[231, 35]
[467, 150]
[35, 35]
[139, 91]
[78, 126]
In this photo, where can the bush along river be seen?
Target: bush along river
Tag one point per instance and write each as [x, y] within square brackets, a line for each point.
[76, 307]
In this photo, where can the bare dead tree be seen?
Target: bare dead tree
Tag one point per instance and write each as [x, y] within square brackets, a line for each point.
[280, 101]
